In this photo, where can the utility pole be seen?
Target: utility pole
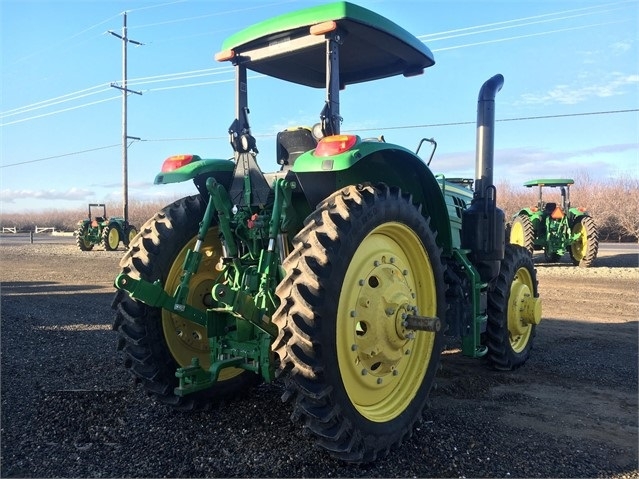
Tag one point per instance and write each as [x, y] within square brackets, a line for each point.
[125, 137]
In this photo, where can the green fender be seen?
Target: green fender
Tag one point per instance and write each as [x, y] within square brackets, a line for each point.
[376, 162]
[575, 213]
[532, 214]
[196, 169]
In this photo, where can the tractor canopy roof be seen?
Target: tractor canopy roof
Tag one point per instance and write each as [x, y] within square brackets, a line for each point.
[550, 182]
[292, 46]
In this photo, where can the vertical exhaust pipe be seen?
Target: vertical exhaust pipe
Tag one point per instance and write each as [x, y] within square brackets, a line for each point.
[483, 224]
[486, 134]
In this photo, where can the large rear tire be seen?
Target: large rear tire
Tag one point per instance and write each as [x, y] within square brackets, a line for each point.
[522, 232]
[360, 379]
[584, 251]
[154, 341]
[81, 238]
[514, 310]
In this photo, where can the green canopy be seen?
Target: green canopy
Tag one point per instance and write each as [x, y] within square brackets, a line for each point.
[372, 46]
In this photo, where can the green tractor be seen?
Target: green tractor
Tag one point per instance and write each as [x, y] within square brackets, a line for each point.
[103, 230]
[556, 229]
[343, 272]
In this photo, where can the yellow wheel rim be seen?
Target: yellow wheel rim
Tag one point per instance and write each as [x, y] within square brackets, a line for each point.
[113, 238]
[517, 234]
[521, 301]
[579, 247]
[132, 233]
[382, 365]
[184, 338]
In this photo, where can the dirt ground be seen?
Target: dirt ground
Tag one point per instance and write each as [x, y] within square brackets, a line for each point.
[571, 411]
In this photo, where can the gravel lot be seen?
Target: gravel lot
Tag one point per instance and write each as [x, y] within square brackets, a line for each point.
[70, 410]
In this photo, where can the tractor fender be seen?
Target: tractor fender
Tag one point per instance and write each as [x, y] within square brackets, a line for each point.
[527, 212]
[375, 161]
[575, 213]
[197, 169]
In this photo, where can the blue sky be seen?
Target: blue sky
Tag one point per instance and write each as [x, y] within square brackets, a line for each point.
[571, 71]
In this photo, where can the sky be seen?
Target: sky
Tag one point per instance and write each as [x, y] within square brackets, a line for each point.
[569, 105]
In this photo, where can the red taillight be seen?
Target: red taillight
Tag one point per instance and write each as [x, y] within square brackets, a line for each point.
[335, 144]
[177, 161]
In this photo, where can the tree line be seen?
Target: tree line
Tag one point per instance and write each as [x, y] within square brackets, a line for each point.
[613, 204]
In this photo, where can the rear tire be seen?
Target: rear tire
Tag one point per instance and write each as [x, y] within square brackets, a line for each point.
[155, 342]
[513, 311]
[81, 238]
[522, 232]
[364, 257]
[584, 251]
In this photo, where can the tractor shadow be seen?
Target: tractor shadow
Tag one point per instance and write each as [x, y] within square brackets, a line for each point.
[621, 260]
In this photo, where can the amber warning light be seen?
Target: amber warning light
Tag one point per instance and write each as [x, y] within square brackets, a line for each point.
[224, 55]
[335, 144]
[322, 28]
[177, 161]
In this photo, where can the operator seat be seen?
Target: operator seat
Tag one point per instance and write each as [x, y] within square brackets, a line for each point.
[291, 143]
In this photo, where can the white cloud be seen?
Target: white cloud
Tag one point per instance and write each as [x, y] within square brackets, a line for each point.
[620, 47]
[517, 165]
[614, 84]
[72, 194]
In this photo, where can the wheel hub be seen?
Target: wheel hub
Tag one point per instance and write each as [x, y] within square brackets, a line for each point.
[384, 300]
[525, 309]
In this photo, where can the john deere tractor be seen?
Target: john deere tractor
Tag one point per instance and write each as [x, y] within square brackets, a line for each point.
[342, 272]
[100, 229]
[556, 229]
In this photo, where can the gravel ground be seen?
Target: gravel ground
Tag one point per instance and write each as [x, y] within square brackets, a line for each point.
[70, 410]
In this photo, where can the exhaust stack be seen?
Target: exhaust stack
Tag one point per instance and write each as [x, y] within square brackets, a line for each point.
[483, 224]
[486, 134]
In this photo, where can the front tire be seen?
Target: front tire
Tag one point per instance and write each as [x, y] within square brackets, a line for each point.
[365, 257]
[110, 237]
[514, 310]
[584, 251]
[130, 233]
[156, 342]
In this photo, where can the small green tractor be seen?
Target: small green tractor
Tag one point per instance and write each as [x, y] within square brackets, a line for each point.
[100, 229]
[556, 229]
[342, 273]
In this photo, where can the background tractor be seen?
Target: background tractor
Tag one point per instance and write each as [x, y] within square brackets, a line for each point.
[99, 229]
[342, 272]
[556, 228]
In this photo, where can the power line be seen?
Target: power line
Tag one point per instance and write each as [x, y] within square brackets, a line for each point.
[399, 127]
[208, 15]
[523, 118]
[61, 156]
[517, 37]
[68, 97]
[59, 111]
[488, 27]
